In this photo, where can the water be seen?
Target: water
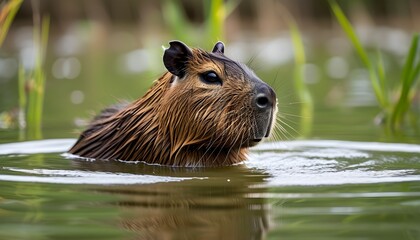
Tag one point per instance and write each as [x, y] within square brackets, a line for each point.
[365, 186]
[286, 190]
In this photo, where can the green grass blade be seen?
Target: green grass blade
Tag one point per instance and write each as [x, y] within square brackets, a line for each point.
[176, 20]
[30, 111]
[7, 14]
[22, 102]
[414, 76]
[21, 88]
[215, 21]
[382, 77]
[37, 83]
[408, 78]
[299, 50]
[377, 89]
[351, 35]
[306, 111]
[413, 80]
[409, 63]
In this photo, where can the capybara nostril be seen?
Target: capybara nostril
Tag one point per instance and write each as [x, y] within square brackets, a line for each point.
[262, 101]
[264, 96]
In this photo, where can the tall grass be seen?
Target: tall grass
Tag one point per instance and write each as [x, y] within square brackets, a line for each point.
[215, 20]
[22, 103]
[31, 84]
[174, 16]
[212, 29]
[36, 83]
[7, 14]
[395, 111]
[306, 110]
[303, 94]
[409, 77]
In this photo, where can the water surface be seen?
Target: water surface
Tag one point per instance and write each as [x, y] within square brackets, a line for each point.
[286, 190]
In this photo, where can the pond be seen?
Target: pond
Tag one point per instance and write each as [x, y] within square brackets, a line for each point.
[348, 179]
[317, 189]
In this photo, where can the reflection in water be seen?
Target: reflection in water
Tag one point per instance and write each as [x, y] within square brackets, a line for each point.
[215, 207]
[313, 189]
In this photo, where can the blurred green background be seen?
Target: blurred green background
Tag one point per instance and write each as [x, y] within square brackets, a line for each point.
[100, 52]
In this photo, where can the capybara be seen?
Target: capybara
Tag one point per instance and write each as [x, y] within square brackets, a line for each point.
[207, 110]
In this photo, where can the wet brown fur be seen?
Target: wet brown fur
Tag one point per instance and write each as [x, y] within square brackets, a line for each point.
[179, 122]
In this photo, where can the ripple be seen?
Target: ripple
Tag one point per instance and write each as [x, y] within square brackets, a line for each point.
[300, 168]
[85, 177]
[335, 147]
[366, 146]
[310, 162]
[39, 146]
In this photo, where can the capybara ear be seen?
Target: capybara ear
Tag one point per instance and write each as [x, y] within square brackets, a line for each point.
[176, 57]
[219, 48]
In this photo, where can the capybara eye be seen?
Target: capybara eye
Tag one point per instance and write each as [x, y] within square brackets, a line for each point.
[211, 78]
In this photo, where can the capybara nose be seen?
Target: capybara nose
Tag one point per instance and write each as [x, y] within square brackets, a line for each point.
[264, 105]
[265, 97]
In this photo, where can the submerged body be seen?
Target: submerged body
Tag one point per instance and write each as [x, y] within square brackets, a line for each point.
[207, 110]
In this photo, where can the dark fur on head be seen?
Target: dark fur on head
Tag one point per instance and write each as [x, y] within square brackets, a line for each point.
[200, 113]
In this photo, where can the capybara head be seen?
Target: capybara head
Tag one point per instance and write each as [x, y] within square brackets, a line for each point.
[206, 111]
